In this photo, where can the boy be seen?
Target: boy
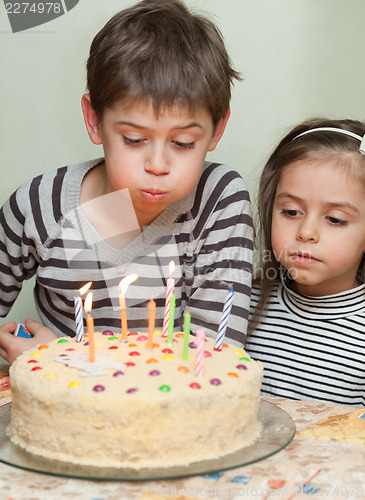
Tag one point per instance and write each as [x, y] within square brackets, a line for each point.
[158, 98]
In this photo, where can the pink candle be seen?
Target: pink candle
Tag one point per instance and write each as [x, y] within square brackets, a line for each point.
[169, 292]
[199, 361]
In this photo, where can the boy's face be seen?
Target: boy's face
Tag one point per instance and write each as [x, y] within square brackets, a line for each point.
[159, 158]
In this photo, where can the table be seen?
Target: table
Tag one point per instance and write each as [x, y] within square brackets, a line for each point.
[306, 468]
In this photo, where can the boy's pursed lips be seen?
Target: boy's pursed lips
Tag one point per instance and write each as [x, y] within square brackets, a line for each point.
[153, 194]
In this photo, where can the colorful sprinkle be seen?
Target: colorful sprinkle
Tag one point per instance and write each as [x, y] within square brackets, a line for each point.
[167, 351]
[134, 353]
[142, 337]
[86, 343]
[113, 338]
[207, 354]
[157, 332]
[132, 390]
[132, 333]
[35, 354]
[36, 368]
[32, 361]
[183, 369]
[116, 374]
[154, 373]
[179, 335]
[62, 341]
[192, 345]
[70, 349]
[154, 346]
[238, 351]
[225, 345]
[168, 357]
[99, 388]
[113, 347]
[164, 388]
[215, 381]
[43, 346]
[241, 367]
[232, 374]
[107, 332]
[245, 359]
[74, 384]
[194, 385]
[151, 360]
[51, 375]
[132, 345]
[130, 364]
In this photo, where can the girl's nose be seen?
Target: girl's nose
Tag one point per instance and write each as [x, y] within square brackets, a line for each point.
[308, 231]
[157, 161]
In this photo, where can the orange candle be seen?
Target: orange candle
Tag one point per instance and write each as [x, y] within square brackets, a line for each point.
[151, 323]
[90, 326]
[123, 285]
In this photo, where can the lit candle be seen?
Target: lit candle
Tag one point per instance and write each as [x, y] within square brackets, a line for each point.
[170, 333]
[199, 342]
[151, 322]
[224, 321]
[79, 320]
[90, 326]
[169, 292]
[123, 285]
[187, 318]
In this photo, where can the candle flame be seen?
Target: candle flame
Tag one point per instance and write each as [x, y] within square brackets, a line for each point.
[171, 267]
[85, 288]
[88, 302]
[125, 282]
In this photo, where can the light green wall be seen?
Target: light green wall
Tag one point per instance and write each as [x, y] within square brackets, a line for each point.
[298, 58]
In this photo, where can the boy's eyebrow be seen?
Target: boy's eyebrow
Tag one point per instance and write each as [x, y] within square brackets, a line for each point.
[179, 127]
[334, 204]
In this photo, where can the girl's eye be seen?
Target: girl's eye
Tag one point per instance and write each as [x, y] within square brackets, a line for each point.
[131, 142]
[184, 145]
[337, 222]
[290, 213]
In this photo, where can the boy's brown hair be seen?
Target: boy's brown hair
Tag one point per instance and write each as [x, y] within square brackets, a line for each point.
[159, 51]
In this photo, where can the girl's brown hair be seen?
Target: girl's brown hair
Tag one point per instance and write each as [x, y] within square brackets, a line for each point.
[322, 145]
[160, 51]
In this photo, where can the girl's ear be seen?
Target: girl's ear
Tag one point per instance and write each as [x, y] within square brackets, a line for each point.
[220, 128]
[91, 119]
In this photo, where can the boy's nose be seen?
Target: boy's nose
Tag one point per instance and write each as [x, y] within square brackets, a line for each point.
[157, 161]
[308, 231]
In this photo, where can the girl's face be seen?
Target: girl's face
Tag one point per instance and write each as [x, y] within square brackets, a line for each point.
[318, 226]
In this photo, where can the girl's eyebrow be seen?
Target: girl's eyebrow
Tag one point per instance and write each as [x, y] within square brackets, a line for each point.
[330, 204]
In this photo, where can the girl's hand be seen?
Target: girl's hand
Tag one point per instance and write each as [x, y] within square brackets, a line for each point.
[11, 347]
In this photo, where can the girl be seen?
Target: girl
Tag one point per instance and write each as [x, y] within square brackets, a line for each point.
[307, 322]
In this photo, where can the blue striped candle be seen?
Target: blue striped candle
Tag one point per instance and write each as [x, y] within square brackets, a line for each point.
[79, 319]
[224, 321]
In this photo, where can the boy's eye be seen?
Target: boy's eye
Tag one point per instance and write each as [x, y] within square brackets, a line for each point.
[337, 222]
[131, 142]
[184, 145]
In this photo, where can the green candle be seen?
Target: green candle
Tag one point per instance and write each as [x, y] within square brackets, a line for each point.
[170, 331]
[187, 318]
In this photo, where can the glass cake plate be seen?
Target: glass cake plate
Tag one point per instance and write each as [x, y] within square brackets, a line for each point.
[278, 430]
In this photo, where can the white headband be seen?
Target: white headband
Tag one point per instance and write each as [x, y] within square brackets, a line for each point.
[340, 131]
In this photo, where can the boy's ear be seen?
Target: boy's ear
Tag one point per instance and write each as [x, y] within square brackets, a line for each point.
[91, 119]
[220, 128]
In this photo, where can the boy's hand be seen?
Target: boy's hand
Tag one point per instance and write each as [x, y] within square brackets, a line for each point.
[11, 347]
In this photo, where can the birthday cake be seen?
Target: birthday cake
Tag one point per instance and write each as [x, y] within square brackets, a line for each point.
[133, 406]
